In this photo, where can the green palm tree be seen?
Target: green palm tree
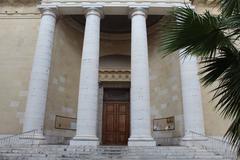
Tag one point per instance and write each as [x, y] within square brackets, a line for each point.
[215, 40]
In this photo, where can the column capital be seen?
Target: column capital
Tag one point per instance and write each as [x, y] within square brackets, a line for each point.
[138, 10]
[49, 11]
[94, 11]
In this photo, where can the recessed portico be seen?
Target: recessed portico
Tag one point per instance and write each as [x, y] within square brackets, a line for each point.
[140, 113]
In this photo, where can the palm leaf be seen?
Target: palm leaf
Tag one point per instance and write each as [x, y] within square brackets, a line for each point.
[215, 67]
[232, 24]
[229, 7]
[199, 35]
[225, 69]
[213, 38]
[233, 133]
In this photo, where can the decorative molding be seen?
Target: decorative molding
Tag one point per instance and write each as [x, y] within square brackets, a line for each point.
[19, 2]
[19, 15]
[110, 1]
[113, 7]
[114, 75]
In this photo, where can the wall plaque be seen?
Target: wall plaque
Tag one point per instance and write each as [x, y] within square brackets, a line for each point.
[65, 123]
[164, 124]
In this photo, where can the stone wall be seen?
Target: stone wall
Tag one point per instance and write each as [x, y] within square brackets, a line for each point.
[64, 77]
[17, 44]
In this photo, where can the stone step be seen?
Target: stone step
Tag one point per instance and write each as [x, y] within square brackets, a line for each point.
[63, 152]
[87, 150]
[117, 153]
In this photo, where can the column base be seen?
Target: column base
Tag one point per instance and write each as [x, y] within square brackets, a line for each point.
[139, 141]
[193, 138]
[189, 140]
[84, 141]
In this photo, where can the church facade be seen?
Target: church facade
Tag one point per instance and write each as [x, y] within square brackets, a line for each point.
[92, 73]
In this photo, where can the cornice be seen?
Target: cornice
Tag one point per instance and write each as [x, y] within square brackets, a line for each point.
[113, 7]
[19, 2]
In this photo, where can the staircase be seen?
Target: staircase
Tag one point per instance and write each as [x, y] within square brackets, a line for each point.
[65, 152]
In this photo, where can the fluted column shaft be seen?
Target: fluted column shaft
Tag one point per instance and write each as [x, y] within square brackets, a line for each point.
[38, 86]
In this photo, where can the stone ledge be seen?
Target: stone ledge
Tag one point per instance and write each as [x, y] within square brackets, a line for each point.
[141, 142]
[84, 141]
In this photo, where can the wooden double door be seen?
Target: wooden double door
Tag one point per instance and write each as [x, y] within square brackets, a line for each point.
[116, 118]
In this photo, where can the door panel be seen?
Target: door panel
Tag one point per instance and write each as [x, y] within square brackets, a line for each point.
[115, 123]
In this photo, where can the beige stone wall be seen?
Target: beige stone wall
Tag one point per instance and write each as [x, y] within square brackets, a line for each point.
[215, 125]
[201, 6]
[64, 77]
[17, 45]
[165, 85]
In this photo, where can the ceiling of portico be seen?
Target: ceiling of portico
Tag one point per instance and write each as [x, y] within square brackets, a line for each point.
[117, 23]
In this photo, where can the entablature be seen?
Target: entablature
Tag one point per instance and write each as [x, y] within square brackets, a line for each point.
[113, 7]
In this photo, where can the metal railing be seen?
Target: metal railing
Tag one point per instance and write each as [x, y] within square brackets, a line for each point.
[218, 146]
[26, 138]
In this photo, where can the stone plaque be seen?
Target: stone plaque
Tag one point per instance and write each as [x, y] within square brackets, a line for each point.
[65, 123]
[164, 124]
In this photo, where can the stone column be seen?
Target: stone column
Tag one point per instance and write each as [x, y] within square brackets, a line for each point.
[38, 85]
[140, 94]
[191, 96]
[88, 89]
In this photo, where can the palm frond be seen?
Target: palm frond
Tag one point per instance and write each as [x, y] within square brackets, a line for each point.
[214, 39]
[233, 134]
[199, 35]
[232, 24]
[229, 7]
[216, 66]
[225, 68]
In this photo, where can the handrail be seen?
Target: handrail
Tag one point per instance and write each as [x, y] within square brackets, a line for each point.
[218, 146]
[21, 138]
[202, 135]
[17, 134]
